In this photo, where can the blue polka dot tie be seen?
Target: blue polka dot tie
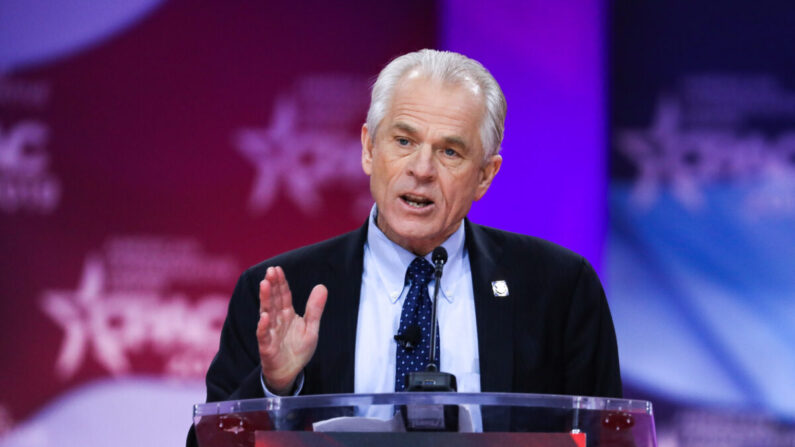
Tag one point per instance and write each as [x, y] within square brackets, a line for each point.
[416, 310]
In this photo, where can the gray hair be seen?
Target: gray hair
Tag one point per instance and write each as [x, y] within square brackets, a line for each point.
[448, 67]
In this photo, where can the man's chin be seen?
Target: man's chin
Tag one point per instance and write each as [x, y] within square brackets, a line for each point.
[416, 238]
[410, 222]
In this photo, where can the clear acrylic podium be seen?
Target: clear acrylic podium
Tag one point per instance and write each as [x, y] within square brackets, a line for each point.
[432, 419]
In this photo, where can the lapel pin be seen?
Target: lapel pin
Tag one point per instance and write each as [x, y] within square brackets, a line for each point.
[500, 288]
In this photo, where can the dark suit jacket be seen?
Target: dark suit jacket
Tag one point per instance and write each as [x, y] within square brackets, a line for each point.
[553, 334]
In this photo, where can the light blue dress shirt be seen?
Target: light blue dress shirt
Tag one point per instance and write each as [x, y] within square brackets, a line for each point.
[381, 302]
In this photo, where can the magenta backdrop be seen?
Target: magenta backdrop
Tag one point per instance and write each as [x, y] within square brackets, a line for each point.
[141, 170]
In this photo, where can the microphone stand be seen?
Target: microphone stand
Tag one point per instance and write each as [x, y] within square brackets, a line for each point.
[432, 417]
[432, 379]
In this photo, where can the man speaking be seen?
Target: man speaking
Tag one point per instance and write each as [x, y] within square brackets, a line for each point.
[515, 313]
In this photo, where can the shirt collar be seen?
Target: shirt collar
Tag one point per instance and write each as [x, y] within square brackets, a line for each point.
[392, 260]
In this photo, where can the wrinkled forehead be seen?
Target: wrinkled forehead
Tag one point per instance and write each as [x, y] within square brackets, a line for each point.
[456, 107]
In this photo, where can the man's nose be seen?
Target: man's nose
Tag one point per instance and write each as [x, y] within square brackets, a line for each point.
[422, 163]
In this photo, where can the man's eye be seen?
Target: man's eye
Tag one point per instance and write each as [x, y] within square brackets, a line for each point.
[403, 141]
[450, 152]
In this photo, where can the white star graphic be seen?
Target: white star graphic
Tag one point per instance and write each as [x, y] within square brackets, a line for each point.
[660, 154]
[80, 315]
[299, 163]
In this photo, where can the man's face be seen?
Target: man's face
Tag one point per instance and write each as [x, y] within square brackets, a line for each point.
[426, 166]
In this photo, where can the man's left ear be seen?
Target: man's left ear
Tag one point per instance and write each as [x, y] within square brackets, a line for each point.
[487, 172]
[367, 150]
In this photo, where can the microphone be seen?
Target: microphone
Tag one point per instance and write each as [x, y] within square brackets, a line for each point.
[409, 338]
[432, 379]
[439, 258]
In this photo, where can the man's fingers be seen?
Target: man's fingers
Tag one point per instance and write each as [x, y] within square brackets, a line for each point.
[314, 308]
[265, 295]
[272, 275]
[278, 290]
[285, 296]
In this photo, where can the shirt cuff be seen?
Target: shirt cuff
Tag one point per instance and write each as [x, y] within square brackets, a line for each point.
[299, 385]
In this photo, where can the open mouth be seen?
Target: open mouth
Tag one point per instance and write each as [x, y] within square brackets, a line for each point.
[416, 201]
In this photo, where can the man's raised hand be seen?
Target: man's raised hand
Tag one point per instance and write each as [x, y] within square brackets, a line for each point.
[286, 340]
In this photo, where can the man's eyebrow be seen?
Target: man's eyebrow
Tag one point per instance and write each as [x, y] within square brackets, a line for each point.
[405, 128]
[452, 140]
[455, 140]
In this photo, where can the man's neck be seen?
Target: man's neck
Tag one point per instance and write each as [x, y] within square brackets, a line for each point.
[419, 248]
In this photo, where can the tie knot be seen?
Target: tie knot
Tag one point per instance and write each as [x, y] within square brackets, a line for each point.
[420, 272]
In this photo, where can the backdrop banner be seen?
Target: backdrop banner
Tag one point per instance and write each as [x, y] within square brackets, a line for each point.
[150, 151]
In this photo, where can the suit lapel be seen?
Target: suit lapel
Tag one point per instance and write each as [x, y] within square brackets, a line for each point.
[494, 315]
[345, 280]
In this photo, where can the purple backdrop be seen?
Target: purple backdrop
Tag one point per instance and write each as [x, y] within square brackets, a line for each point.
[549, 60]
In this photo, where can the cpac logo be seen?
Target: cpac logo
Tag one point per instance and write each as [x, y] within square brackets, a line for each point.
[25, 183]
[300, 163]
[686, 161]
[110, 326]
